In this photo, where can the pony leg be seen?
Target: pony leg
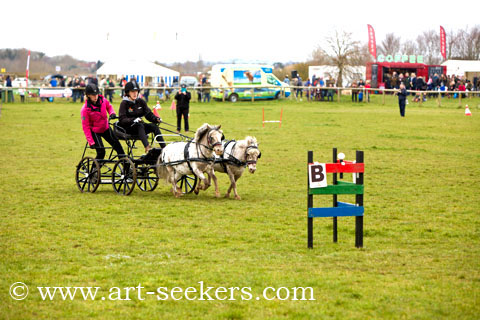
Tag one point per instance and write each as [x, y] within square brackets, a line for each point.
[211, 174]
[208, 179]
[235, 187]
[232, 182]
[171, 178]
[202, 178]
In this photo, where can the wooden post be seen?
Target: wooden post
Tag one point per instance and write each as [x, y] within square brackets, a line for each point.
[309, 205]
[359, 202]
[253, 94]
[223, 94]
[383, 96]
[459, 98]
[335, 202]
[438, 99]
[339, 91]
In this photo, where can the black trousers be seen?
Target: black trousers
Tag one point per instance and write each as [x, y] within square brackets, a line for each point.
[354, 96]
[142, 130]
[110, 137]
[182, 111]
[401, 104]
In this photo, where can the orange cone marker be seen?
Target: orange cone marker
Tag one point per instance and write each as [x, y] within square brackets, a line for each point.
[467, 111]
[157, 108]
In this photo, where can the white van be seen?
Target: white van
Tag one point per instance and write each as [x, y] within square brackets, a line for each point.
[243, 80]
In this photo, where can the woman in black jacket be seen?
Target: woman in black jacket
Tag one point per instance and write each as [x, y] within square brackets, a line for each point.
[132, 110]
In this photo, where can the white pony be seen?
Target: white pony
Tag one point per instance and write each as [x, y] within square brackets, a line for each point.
[236, 157]
[196, 156]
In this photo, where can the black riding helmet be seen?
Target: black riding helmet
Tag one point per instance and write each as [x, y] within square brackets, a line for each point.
[91, 89]
[132, 85]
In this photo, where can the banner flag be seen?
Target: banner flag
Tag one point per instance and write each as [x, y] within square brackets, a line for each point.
[28, 66]
[372, 44]
[443, 43]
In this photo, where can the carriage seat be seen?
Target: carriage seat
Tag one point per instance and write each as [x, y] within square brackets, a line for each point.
[122, 134]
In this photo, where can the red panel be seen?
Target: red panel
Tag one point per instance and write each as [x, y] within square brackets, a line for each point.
[345, 168]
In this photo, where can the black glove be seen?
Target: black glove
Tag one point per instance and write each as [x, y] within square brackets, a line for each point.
[113, 116]
[93, 146]
[159, 120]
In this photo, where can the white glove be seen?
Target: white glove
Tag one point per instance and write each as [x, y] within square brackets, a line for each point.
[137, 120]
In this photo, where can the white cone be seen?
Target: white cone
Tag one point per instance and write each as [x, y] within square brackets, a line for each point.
[467, 111]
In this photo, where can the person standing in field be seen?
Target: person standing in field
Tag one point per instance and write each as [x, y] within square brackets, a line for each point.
[183, 107]
[402, 97]
[8, 84]
[206, 92]
[95, 123]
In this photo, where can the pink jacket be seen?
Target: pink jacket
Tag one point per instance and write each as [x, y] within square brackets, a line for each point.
[95, 118]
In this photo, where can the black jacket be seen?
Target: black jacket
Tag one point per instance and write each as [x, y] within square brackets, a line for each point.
[183, 100]
[402, 95]
[130, 110]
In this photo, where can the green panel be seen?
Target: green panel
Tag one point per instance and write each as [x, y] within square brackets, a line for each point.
[348, 188]
[345, 183]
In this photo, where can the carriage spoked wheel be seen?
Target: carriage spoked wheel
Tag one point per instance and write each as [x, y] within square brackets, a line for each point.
[124, 176]
[187, 183]
[88, 175]
[147, 177]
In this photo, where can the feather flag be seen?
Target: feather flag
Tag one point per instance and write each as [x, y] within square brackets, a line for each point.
[443, 43]
[372, 44]
[28, 66]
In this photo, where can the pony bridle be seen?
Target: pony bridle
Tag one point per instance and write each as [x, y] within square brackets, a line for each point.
[248, 162]
[210, 139]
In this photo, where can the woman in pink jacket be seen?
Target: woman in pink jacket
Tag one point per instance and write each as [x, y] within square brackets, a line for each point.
[95, 122]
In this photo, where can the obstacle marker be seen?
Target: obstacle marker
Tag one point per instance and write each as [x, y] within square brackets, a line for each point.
[467, 111]
[317, 185]
[157, 108]
[272, 121]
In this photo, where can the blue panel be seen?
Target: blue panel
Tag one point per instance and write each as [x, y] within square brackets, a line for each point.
[267, 70]
[343, 211]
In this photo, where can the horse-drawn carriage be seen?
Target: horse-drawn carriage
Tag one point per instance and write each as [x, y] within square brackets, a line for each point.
[183, 163]
[126, 172]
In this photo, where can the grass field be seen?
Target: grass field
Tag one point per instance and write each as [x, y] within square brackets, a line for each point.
[422, 218]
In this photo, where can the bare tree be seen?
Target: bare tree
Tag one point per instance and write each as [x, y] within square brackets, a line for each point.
[453, 40]
[429, 44]
[343, 52]
[320, 57]
[468, 44]
[390, 45]
[409, 47]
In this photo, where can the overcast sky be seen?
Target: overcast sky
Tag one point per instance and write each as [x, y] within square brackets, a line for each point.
[248, 30]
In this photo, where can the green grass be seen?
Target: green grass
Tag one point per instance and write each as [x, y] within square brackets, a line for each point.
[422, 227]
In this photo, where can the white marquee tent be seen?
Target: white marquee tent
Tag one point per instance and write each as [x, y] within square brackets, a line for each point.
[142, 71]
[467, 68]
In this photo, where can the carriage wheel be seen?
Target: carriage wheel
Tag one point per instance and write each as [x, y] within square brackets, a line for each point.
[187, 183]
[87, 175]
[124, 176]
[147, 177]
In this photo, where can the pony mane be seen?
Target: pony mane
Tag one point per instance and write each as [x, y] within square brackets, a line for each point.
[248, 141]
[201, 132]
[251, 141]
